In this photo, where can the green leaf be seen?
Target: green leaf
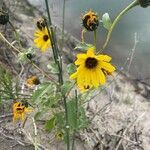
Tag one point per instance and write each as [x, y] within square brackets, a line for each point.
[50, 124]
[7, 90]
[77, 119]
[53, 68]
[43, 89]
[22, 57]
[71, 106]
[71, 68]
[83, 121]
[51, 101]
[60, 119]
[106, 21]
[84, 46]
[30, 50]
[38, 115]
[66, 87]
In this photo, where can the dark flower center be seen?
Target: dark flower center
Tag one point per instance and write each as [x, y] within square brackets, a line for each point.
[45, 37]
[86, 87]
[106, 72]
[36, 81]
[91, 63]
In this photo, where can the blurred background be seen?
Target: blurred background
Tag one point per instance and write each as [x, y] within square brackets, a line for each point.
[136, 21]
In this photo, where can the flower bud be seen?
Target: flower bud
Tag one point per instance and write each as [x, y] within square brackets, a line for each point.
[29, 56]
[41, 24]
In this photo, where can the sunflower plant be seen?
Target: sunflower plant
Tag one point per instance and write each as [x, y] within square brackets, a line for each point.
[64, 99]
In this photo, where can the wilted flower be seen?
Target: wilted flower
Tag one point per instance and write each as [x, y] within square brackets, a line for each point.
[144, 3]
[41, 24]
[4, 17]
[19, 111]
[90, 21]
[31, 81]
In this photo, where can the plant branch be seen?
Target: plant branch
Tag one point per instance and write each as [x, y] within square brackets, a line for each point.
[19, 51]
[133, 4]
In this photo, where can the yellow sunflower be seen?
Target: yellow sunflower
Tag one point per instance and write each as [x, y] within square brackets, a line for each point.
[19, 111]
[92, 70]
[42, 39]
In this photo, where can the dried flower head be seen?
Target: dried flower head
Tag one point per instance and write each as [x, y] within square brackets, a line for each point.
[19, 111]
[90, 21]
[31, 81]
[41, 24]
[144, 3]
[4, 17]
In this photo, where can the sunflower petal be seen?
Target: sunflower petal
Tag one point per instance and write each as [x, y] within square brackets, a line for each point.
[74, 75]
[102, 78]
[94, 79]
[104, 58]
[83, 56]
[79, 61]
[90, 52]
[107, 66]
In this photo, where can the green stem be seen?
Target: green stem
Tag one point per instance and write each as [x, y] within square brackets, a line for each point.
[67, 123]
[59, 63]
[16, 34]
[95, 37]
[64, 98]
[62, 44]
[63, 24]
[76, 118]
[51, 35]
[133, 4]
[82, 35]
[54, 44]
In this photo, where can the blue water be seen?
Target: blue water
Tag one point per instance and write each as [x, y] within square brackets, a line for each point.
[122, 41]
